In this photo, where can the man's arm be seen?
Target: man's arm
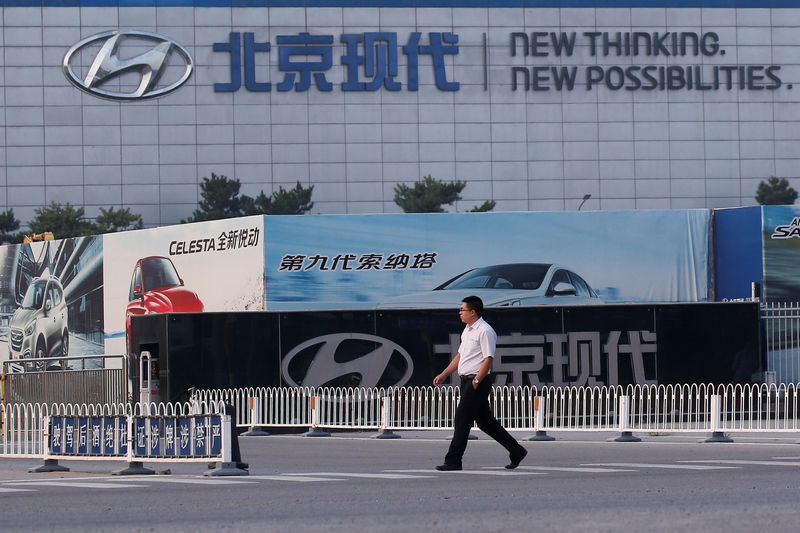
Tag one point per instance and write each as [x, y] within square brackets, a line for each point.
[486, 366]
[452, 367]
[488, 340]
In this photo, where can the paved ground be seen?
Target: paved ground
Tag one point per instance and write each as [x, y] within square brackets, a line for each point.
[353, 483]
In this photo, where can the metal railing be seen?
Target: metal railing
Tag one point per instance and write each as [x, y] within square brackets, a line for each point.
[781, 322]
[181, 432]
[653, 408]
[91, 379]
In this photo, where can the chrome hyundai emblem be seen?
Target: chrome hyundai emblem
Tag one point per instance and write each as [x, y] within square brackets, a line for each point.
[112, 73]
[324, 367]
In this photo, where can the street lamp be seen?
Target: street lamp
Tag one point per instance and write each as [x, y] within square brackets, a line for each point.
[585, 197]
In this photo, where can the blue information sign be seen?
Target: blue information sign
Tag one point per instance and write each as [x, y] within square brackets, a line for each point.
[140, 442]
[184, 437]
[110, 433]
[56, 434]
[69, 435]
[82, 430]
[96, 435]
[215, 440]
[155, 437]
[200, 435]
[122, 428]
[170, 437]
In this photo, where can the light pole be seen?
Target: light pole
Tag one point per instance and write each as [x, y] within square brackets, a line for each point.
[585, 197]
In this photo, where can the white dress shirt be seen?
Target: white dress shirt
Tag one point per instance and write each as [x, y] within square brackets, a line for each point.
[478, 342]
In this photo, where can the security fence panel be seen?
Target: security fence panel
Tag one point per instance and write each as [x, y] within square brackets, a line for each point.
[107, 384]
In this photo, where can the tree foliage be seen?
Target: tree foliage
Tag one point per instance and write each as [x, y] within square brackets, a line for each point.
[429, 195]
[296, 201]
[66, 221]
[775, 191]
[8, 225]
[110, 221]
[221, 199]
[488, 205]
[63, 220]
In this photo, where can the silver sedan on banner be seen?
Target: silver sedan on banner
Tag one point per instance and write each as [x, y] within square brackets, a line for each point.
[505, 285]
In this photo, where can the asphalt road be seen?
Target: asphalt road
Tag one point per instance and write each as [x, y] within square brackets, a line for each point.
[354, 483]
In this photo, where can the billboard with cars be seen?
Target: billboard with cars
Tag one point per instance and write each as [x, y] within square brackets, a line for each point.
[508, 259]
[51, 302]
[757, 244]
[334, 262]
[206, 266]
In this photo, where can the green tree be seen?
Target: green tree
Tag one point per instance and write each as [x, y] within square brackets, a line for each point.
[429, 195]
[775, 191]
[220, 199]
[488, 205]
[109, 221]
[63, 220]
[8, 225]
[296, 201]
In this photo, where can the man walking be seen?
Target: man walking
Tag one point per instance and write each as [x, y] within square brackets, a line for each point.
[474, 364]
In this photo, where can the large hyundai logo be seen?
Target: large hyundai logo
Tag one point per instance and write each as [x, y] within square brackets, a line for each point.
[127, 65]
[324, 367]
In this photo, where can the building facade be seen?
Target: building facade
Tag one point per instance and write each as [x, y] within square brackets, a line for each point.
[535, 104]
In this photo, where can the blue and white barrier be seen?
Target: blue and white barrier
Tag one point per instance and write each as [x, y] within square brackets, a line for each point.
[176, 433]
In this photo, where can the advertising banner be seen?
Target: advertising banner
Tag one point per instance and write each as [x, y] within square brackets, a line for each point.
[543, 345]
[508, 259]
[51, 301]
[737, 252]
[781, 236]
[206, 266]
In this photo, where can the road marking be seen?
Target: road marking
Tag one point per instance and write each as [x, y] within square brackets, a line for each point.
[4, 490]
[588, 470]
[469, 472]
[84, 485]
[299, 478]
[743, 462]
[190, 480]
[786, 457]
[360, 475]
[665, 466]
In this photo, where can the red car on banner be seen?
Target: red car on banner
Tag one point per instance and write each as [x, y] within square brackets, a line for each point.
[157, 288]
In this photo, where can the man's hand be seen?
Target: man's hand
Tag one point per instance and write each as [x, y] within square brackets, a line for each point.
[438, 380]
[474, 385]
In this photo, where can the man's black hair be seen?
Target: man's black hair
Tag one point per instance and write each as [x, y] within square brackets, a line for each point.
[474, 303]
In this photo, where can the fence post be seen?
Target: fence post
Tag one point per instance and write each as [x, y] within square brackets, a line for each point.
[135, 468]
[315, 430]
[228, 467]
[625, 433]
[255, 417]
[49, 465]
[538, 421]
[716, 421]
[386, 413]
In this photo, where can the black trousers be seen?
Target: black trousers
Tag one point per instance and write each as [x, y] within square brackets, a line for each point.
[474, 407]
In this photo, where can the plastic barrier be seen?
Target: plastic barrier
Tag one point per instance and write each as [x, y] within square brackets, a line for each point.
[178, 433]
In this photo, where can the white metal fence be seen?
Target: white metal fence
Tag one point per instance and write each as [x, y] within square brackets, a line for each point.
[781, 327]
[656, 408]
[165, 432]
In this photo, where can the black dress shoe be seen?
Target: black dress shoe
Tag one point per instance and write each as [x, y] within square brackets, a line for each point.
[448, 467]
[516, 458]
[242, 466]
